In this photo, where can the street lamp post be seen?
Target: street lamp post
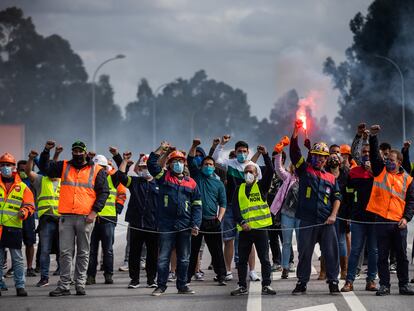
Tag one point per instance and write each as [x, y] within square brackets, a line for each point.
[154, 112]
[402, 91]
[119, 56]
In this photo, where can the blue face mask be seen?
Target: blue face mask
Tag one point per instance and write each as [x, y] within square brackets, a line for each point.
[178, 167]
[390, 166]
[364, 159]
[197, 160]
[208, 170]
[241, 157]
[6, 171]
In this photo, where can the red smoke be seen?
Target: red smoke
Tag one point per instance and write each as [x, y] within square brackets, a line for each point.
[306, 105]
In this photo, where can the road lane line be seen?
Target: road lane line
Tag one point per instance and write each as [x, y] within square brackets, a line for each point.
[352, 299]
[327, 307]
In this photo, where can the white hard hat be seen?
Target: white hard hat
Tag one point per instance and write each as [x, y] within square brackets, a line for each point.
[100, 160]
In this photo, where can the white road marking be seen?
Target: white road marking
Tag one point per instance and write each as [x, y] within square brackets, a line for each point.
[327, 307]
[254, 300]
[352, 299]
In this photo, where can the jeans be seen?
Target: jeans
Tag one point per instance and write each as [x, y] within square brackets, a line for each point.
[308, 237]
[288, 222]
[48, 230]
[341, 234]
[104, 232]
[17, 264]
[215, 246]
[260, 239]
[390, 236]
[182, 243]
[137, 240]
[360, 233]
[74, 229]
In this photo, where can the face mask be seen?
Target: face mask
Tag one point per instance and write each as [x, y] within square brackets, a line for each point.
[23, 175]
[6, 171]
[78, 158]
[241, 157]
[207, 170]
[249, 178]
[197, 160]
[390, 166]
[334, 163]
[364, 159]
[178, 167]
[144, 174]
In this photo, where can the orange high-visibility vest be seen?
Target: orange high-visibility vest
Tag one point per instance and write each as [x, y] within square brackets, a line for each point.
[77, 194]
[388, 195]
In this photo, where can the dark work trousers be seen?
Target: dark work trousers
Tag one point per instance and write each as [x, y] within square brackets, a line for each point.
[260, 239]
[105, 233]
[308, 237]
[137, 240]
[215, 246]
[390, 236]
[274, 236]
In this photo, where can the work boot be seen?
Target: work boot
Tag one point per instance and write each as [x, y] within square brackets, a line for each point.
[333, 288]
[108, 278]
[383, 291]
[348, 287]
[343, 260]
[300, 289]
[406, 290]
[285, 274]
[322, 273]
[59, 292]
[371, 286]
[90, 280]
[21, 292]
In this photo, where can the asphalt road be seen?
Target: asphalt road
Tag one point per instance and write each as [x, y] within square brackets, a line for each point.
[208, 296]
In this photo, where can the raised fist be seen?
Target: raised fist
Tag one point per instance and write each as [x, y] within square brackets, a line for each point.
[113, 150]
[59, 149]
[50, 144]
[407, 144]
[298, 124]
[375, 129]
[225, 139]
[361, 129]
[262, 149]
[216, 141]
[33, 154]
[196, 142]
[91, 154]
[127, 155]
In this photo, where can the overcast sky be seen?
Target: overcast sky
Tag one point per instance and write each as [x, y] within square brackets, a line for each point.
[264, 47]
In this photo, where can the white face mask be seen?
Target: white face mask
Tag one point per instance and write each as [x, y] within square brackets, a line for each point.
[249, 178]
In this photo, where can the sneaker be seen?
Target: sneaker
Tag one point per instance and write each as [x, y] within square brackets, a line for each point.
[253, 276]
[57, 272]
[406, 290]
[334, 288]
[358, 274]
[21, 292]
[221, 282]
[300, 289]
[108, 278]
[393, 268]
[229, 276]
[90, 280]
[371, 286]
[210, 266]
[43, 282]
[31, 273]
[186, 291]
[348, 287]
[151, 285]
[158, 292]
[285, 274]
[9, 273]
[292, 267]
[276, 268]
[124, 267]
[133, 284]
[239, 291]
[172, 277]
[383, 291]
[80, 291]
[267, 290]
[199, 276]
[59, 292]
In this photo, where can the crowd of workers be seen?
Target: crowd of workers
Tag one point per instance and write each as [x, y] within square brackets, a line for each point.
[354, 201]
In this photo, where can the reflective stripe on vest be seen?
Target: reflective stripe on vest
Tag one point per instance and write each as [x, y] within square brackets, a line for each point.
[9, 208]
[48, 198]
[253, 209]
[110, 207]
[77, 194]
[388, 195]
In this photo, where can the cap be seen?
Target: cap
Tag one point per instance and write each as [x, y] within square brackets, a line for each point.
[79, 144]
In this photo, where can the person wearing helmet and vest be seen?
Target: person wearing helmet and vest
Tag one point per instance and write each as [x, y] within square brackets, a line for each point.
[47, 200]
[83, 193]
[142, 218]
[16, 204]
[346, 155]
[252, 215]
[392, 201]
[104, 229]
[179, 215]
[319, 201]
